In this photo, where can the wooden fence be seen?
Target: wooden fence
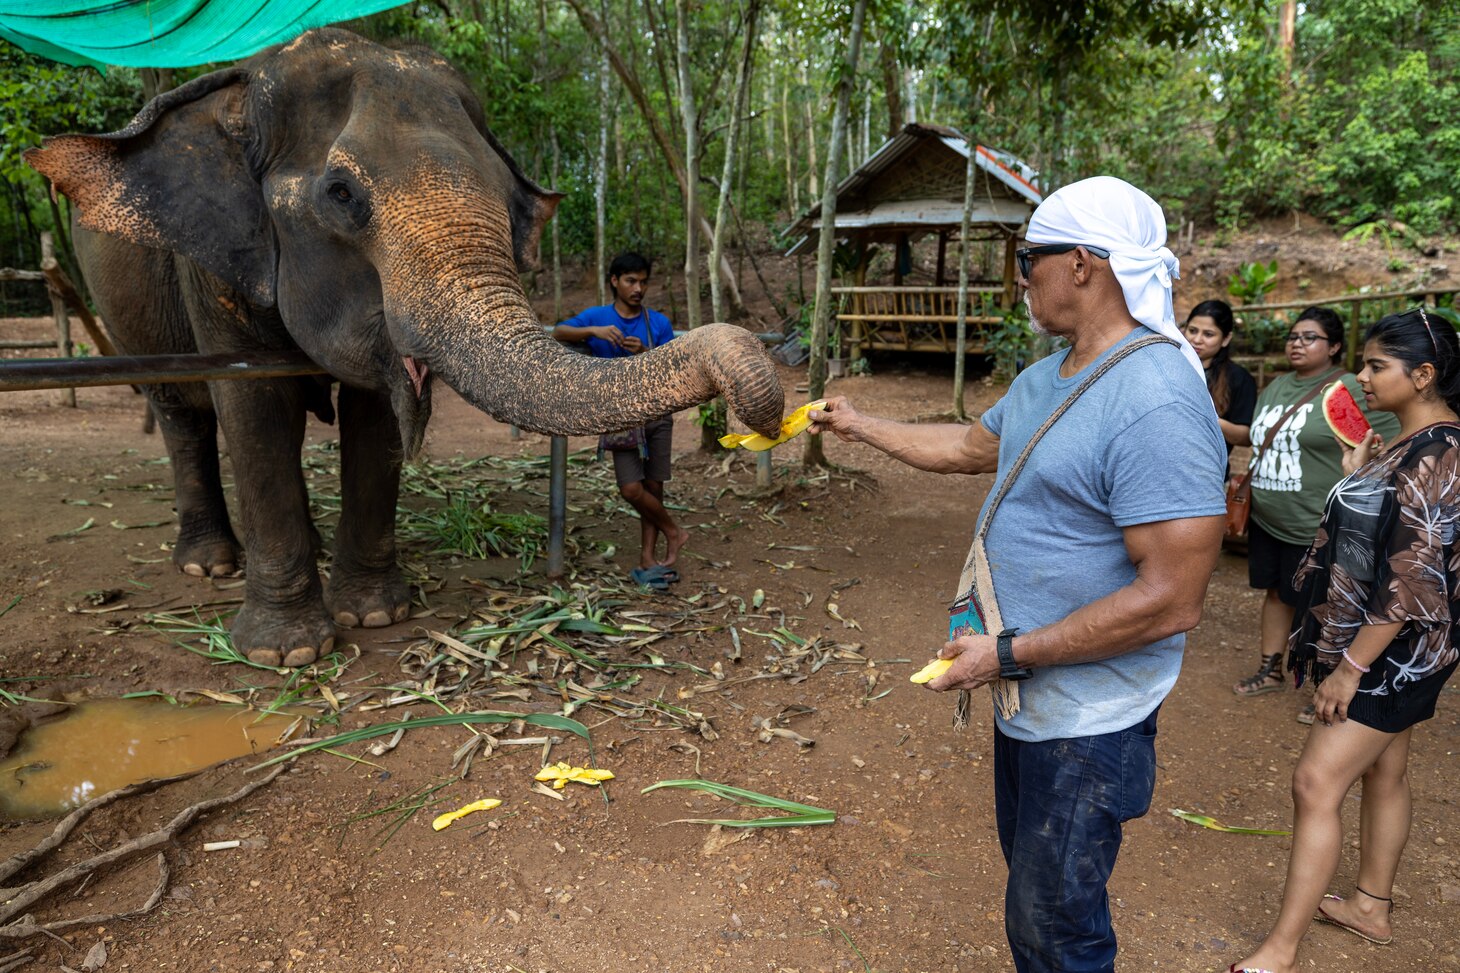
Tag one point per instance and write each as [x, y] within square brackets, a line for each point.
[1358, 309]
[911, 318]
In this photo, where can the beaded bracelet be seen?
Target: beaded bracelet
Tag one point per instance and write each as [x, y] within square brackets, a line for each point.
[1350, 660]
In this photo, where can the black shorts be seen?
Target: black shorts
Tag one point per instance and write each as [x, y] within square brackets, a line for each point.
[1271, 563]
[1397, 709]
[630, 467]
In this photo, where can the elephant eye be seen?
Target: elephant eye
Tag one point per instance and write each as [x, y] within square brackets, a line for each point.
[340, 192]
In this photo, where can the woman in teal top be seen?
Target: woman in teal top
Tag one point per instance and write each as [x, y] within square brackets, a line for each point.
[1291, 480]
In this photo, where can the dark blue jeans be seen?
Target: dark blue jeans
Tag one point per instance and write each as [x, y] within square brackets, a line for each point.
[1060, 805]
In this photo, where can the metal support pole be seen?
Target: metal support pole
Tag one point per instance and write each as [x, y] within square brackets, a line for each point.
[765, 475]
[557, 505]
[59, 373]
[63, 342]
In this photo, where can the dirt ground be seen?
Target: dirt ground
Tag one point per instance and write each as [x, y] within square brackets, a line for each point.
[909, 878]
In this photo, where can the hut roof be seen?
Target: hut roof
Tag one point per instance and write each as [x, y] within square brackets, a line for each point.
[915, 181]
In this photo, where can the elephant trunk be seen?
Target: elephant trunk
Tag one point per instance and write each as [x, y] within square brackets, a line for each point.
[456, 309]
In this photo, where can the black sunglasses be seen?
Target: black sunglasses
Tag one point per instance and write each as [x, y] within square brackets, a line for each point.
[1024, 256]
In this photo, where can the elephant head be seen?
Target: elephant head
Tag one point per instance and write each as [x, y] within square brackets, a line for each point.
[358, 190]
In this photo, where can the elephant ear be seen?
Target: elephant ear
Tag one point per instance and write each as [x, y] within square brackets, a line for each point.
[531, 206]
[177, 178]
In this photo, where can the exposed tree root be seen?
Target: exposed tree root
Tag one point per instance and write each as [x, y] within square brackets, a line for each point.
[16, 900]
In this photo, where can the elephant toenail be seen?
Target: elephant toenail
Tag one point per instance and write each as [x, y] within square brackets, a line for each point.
[402, 613]
[265, 657]
[346, 619]
[327, 647]
[377, 619]
[222, 570]
[301, 656]
[195, 569]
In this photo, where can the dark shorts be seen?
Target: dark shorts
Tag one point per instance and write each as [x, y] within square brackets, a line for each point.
[1380, 706]
[1271, 563]
[1060, 805]
[630, 467]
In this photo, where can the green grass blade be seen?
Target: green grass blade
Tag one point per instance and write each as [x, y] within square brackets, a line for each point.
[1212, 824]
[798, 815]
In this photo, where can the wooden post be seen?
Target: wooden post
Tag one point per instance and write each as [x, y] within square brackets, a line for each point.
[1009, 248]
[1352, 352]
[859, 301]
[62, 319]
[942, 257]
[897, 244]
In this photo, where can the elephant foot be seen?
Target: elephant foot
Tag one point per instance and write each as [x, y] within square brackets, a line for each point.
[213, 555]
[368, 600]
[280, 637]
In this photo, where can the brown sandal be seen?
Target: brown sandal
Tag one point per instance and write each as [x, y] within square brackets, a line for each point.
[1267, 679]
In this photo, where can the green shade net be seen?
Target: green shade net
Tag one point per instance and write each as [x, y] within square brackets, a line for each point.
[166, 33]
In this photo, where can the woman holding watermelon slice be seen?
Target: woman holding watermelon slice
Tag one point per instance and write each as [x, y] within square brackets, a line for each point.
[1376, 632]
[1291, 476]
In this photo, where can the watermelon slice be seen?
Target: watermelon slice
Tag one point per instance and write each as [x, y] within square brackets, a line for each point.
[1344, 416]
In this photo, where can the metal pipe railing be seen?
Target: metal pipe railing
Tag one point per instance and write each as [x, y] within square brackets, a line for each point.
[30, 374]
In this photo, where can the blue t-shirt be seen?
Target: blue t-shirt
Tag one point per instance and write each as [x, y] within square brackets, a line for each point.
[1141, 445]
[600, 317]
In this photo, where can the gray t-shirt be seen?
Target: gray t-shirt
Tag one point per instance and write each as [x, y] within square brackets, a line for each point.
[1141, 445]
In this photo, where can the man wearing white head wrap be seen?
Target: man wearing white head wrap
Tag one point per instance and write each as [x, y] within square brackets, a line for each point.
[1098, 558]
[1112, 215]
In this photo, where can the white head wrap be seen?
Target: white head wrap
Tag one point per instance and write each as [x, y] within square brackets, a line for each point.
[1113, 215]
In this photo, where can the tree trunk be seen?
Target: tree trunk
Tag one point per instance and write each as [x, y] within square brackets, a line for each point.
[599, 32]
[691, 166]
[961, 345]
[793, 193]
[811, 185]
[824, 312]
[600, 185]
[892, 87]
[714, 425]
[1287, 34]
[557, 158]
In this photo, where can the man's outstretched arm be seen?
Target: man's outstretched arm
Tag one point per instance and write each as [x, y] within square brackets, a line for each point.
[940, 448]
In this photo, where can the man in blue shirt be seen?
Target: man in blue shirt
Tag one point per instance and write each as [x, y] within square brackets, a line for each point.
[1099, 557]
[626, 327]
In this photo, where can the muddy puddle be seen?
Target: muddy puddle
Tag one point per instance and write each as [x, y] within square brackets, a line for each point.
[99, 746]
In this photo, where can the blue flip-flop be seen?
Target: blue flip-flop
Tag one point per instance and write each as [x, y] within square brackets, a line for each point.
[652, 578]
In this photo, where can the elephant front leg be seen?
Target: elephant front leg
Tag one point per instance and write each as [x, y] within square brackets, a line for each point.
[365, 586]
[206, 545]
[283, 620]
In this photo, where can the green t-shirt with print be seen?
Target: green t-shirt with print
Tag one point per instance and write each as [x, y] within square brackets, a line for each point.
[1291, 479]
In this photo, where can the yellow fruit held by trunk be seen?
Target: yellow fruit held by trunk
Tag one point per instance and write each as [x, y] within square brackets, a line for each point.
[791, 427]
[931, 671]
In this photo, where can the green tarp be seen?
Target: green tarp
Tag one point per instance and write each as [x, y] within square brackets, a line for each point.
[166, 33]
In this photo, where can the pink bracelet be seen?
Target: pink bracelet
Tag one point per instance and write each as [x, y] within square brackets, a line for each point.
[1350, 660]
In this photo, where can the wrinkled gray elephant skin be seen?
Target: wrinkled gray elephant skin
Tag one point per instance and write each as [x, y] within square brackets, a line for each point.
[335, 196]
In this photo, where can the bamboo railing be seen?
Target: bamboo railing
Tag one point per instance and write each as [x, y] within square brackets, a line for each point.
[911, 318]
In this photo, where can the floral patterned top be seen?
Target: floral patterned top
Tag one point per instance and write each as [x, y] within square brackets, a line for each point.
[1386, 551]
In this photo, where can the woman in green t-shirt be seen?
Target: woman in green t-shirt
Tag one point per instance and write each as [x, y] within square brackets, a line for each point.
[1291, 480]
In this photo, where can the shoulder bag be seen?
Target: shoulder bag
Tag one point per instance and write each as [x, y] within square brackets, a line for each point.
[1239, 494]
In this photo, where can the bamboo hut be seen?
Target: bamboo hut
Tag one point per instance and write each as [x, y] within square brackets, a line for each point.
[910, 188]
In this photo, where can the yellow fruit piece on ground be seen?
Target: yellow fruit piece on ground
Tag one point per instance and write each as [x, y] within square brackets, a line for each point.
[485, 804]
[792, 426]
[562, 772]
[931, 671]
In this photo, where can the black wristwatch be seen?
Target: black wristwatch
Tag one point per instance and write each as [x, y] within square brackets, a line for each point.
[1008, 668]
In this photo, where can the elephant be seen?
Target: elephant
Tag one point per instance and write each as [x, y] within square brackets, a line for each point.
[346, 199]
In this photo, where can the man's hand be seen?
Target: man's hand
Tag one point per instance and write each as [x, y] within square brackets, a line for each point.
[611, 334]
[838, 417]
[631, 344]
[975, 663]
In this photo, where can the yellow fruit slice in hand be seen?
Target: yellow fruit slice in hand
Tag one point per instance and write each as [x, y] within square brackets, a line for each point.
[931, 671]
[482, 805]
[792, 426]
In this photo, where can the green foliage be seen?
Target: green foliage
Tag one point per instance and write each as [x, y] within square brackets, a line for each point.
[1252, 282]
[1011, 343]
